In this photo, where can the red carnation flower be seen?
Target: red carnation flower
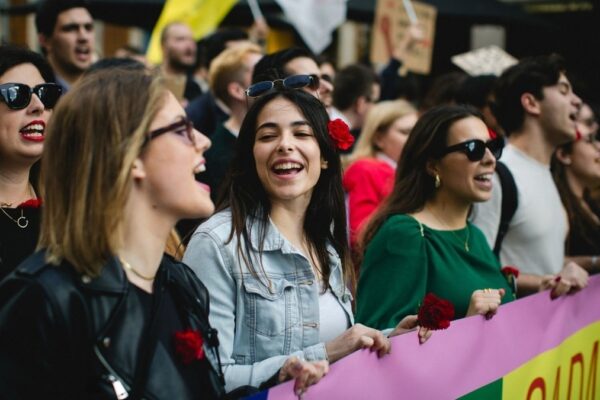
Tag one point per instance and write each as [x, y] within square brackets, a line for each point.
[435, 313]
[509, 270]
[340, 134]
[31, 203]
[492, 133]
[578, 135]
[188, 346]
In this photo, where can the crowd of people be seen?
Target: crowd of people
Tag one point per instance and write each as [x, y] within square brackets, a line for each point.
[230, 219]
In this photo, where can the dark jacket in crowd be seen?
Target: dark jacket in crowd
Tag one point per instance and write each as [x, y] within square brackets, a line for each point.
[67, 336]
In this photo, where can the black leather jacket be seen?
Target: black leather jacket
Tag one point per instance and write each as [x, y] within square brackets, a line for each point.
[65, 336]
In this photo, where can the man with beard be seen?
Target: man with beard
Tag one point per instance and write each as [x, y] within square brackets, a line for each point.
[66, 35]
[179, 57]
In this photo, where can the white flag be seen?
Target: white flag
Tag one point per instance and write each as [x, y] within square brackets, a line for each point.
[315, 20]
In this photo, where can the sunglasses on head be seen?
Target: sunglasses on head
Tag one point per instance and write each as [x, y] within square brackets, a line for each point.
[17, 96]
[475, 149]
[291, 82]
[183, 127]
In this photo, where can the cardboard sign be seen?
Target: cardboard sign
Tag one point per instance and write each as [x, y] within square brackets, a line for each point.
[490, 60]
[389, 27]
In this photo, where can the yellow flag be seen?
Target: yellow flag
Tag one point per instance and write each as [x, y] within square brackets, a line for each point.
[203, 16]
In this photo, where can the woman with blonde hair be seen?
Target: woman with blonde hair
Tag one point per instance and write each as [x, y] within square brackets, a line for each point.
[108, 314]
[369, 172]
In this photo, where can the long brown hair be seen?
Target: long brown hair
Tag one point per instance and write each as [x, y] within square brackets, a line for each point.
[413, 185]
[96, 133]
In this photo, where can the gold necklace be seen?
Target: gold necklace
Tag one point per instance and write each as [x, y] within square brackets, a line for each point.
[466, 242]
[128, 267]
[22, 222]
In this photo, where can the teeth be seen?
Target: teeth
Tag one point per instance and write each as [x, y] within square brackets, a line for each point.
[200, 168]
[287, 165]
[33, 127]
[484, 177]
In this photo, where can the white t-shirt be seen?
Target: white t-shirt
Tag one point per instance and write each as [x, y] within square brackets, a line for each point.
[535, 240]
[332, 317]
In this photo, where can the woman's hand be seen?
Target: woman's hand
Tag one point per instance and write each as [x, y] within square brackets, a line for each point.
[409, 324]
[357, 337]
[485, 302]
[571, 279]
[304, 372]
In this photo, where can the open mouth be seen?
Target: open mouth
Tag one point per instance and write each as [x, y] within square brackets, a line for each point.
[201, 167]
[485, 178]
[82, 52]
[34, 131]
[287, 168]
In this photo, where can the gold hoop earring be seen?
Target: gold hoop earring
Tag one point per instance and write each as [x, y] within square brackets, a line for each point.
[438, 182]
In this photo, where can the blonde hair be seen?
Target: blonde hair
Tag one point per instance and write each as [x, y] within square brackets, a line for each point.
[96, 133]
[230, 66]
[380, 117]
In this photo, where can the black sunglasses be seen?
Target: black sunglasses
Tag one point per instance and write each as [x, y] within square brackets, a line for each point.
[475, 149]
[17, 96]
[291, 82]
[183, 127]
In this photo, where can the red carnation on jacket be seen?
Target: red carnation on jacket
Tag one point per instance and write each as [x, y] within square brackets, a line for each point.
[435, 313]
[510, 270]
[340, 134]
[188, 346]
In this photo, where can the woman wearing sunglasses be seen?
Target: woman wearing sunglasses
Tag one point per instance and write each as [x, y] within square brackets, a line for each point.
[576, 171]
[419, 240]
[26, 99]
[275, 257]
[108, 315]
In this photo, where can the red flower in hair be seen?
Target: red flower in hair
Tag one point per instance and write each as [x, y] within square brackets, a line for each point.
[31, 203]
[492, 133]
[435, 313]
[340, 134]
[188, 346]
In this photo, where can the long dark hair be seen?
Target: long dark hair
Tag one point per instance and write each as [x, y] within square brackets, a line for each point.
[325, 218]
[413, 185]
[579, 218]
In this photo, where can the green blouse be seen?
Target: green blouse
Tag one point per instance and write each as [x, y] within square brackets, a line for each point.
[406, 260]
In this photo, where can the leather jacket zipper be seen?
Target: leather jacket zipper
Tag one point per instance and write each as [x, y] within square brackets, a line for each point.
[118, 384]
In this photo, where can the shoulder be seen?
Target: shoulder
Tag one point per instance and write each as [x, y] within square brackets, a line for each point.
[398, 231]
[218, 226]
[367, 168]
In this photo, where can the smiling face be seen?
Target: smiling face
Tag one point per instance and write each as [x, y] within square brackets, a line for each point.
[170, 162]
[22, 131]
[286, 153]
[464, 181]
[391, 142]
[71, 46]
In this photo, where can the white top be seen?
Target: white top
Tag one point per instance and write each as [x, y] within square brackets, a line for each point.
[332, 317]
[535, 240]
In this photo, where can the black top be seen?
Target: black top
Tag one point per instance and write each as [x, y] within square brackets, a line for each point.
[584, 238]
[218, 159]
[17, 243]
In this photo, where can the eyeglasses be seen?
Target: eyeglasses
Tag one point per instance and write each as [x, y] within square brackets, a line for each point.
[291, 82]
[183, 127]
[475, 149]
[17, 96]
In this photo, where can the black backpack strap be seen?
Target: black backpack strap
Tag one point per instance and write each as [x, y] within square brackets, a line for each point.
[510, 202]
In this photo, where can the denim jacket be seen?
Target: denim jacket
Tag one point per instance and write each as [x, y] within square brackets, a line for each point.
[260, 326]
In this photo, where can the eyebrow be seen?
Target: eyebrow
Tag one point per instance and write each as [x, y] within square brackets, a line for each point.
[75, 26]
[274, 125]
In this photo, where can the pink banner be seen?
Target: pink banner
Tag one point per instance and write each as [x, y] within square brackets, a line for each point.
[472, 353]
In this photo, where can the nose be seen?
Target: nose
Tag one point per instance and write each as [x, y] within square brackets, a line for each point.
[202, 143]
[35, 105]
[285, 143]
[325, 86]
[488, 158]
[577, 102]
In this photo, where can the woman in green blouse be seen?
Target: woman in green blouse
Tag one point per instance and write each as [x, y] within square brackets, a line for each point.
[420, 241]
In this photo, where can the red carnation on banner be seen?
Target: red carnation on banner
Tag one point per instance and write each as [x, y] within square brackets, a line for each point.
[31, 203]
[340, 134]
[492, 133]
[435, 313]
[188, 346]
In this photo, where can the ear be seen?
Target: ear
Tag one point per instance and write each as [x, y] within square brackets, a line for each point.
[432, 167]
[530, 104]
[324, 163]
[44, 41]
[236, 91]
[138, 172]
[378, 139]
[563, 157]
[360, 104]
